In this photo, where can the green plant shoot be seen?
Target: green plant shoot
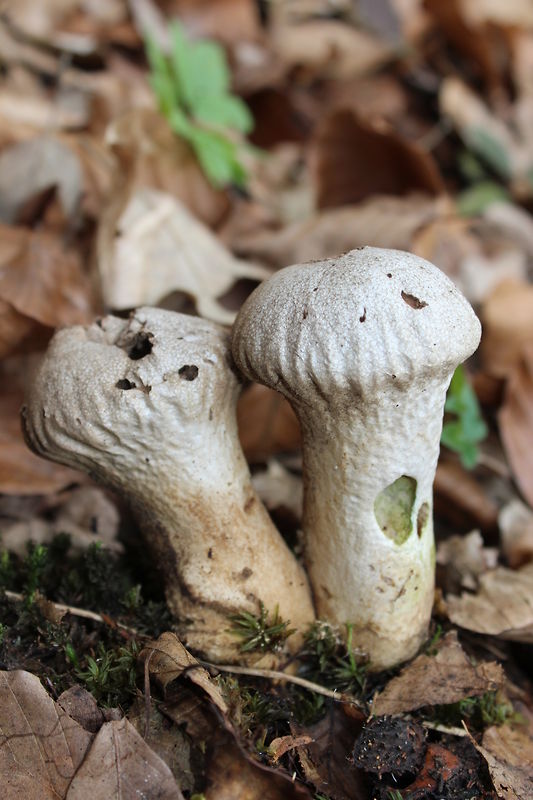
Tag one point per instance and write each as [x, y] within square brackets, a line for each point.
[192, 87]
[463, 433]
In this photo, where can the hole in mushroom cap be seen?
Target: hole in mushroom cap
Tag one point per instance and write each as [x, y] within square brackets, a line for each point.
[393, 509]
[188, 372]
[124, 383]
[422, 518]
[413, 301]
[140, 346]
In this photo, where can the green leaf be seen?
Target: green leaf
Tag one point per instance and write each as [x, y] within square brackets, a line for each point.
[463, 433]
[224, 111]
[476, 199]
[490, 150]
[199, 68]
[218, 157]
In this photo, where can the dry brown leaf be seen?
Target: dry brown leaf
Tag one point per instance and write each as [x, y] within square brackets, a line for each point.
[279, 488]
[379, 221]
[31, 167]
[42, 279]
[14, 328]
[353, 158]
[509, 756]
[150, 155]
[516, 422]
[503, 605]
[463, 559]
[447, 677]
[507, 316]
[120, 764]
[267, 423]
[517, 13]
[516, 533]
[42, 747]
[167, 659]
[461, 500]
[230, 21]
[154, 246]
[283, 744]
[81, 706]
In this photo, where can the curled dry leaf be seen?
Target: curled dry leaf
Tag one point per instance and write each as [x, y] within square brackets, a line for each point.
[29, 168]
[279, 488]
[440, 679]
[353, 159]
[461, 500]
[503, 605]
[464, 559]
[507, 316]
[516, 533]
[516, 422]
[509, 756]
[120, 764]
[283, 744]
[154, 246]
[267, 423]
[167, 659]
[42, 747]
[380, 221]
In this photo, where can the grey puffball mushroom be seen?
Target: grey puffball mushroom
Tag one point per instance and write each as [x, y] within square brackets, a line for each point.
[364, 347]
[147, 407]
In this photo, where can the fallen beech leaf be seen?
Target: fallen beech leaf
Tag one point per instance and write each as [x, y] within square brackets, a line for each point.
[120, 764]
[22, 472]
[464, 559]
[151, 155]
[154, 246]
[14, 328]
[509, 756]
[507, 316]
[267, 423]
[380, 221]
[353, 158]
[42, 279]
[503, 605]
[516, 422]
[80, 704]
[42, 747]
[283, 744]
[441, 679]
[29, 168]
[461, 500]
[168, 659]
[516, 533]
[324, 761]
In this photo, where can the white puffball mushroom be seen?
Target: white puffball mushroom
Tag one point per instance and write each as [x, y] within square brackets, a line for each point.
[364, 347]
[147, 406]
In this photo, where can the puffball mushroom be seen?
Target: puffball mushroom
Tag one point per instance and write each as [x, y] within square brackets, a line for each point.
[147, 406]
[364, 347]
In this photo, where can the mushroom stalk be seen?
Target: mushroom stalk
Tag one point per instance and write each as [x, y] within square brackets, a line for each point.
[147, 406]
[364, 347]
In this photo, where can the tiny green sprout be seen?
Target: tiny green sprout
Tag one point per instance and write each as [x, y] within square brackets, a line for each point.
[431, 647]
[192, 87]
[331, 662]
[34, 566]
[395, 794]
[262, 632]
[463, 433]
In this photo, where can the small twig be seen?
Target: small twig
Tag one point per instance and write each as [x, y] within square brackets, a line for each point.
[77, 612]
[339, 697]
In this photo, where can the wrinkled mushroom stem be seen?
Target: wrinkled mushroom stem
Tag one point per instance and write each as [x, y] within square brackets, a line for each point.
[368, 515]
[147, 407]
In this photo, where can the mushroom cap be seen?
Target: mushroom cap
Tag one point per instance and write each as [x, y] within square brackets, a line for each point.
[354, 324]
[105, 394]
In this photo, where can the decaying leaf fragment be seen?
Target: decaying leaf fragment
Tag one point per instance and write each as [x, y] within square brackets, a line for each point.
[503, 605]
[516, 422]
[508, 752]
[154, 246]
[447, 677]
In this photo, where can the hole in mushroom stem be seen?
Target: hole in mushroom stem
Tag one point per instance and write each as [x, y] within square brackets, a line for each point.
[413, 301]
[188, 372]
[140, 346]
[124, 383]
[393, 509]
[422, 518]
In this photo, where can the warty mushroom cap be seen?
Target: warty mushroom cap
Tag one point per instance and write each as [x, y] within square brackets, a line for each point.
[353, 324]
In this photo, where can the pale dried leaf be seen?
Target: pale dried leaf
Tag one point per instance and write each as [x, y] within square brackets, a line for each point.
[509, 756]
[167, 659]
[283, 744]
[516, 422]
[516, 533]
[507, 316]
[120, 764]
[464, 559]
[154, 246]
[14, 328]
[267, 423]
[81, 705]
[512, 13]
[279, 488]
[42, 747]
[503, 605]
[440, 679]
[31, 167]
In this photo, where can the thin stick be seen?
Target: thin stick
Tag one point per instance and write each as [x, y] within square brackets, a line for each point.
[77, 612]
[339, 697]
